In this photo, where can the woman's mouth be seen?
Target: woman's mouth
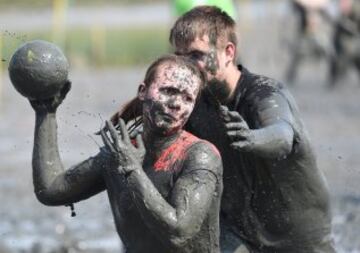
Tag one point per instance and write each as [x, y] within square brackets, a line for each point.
[168, 117]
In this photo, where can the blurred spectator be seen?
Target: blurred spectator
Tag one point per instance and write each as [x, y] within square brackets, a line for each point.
[346, 40]
[310, 38]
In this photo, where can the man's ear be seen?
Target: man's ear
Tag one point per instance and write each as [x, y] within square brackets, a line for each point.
[230, 52]
[141, 92]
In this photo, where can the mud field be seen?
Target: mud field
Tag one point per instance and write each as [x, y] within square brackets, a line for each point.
[332, 118]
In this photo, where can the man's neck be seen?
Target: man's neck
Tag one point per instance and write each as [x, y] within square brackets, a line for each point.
[232, 78]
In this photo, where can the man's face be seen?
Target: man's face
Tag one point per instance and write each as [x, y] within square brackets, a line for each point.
[210, 59]
[170, 98]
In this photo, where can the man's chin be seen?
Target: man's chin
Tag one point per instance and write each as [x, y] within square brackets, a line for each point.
[219, 89]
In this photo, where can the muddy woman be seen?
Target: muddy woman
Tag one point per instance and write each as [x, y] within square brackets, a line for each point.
[164, 192]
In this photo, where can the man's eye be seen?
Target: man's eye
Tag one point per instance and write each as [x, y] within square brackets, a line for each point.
[197, 56]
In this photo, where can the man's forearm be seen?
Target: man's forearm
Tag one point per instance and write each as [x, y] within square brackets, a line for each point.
[274, 141]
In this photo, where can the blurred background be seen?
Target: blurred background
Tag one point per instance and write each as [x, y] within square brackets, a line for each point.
[109, 45]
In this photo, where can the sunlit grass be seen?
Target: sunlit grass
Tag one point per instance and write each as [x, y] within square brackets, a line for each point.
[48, 4]
[99, 47]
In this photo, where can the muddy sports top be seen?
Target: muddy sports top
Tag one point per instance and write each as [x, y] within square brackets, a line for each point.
[274, 205]
[172, 166]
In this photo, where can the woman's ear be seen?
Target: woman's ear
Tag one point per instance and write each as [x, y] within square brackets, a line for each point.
[141, 92]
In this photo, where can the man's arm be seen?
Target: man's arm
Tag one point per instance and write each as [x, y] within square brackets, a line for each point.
[271, 134]
[53, 185]
[179, 220]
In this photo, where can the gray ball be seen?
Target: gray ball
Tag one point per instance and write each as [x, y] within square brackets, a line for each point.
[38, 69]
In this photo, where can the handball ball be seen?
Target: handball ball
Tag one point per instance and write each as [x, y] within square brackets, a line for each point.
[38, 70]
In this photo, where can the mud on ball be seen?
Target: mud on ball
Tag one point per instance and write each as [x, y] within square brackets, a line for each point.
[38, 69]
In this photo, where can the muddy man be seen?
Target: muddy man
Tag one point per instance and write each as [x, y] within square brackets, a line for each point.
[165, 195]
[275, 197]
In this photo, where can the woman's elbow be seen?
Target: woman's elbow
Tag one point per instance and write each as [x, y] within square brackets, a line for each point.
[46, 198]
[182, 235]
[179, 241]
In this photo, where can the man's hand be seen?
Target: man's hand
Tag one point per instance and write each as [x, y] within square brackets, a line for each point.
[238, 131]
[127, 157]
[51, 104]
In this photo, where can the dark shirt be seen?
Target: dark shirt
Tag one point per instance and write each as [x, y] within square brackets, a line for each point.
[273, 204]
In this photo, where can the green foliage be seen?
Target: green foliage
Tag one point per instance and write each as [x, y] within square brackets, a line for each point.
[47, 4]
[22, 3]
[101, 48]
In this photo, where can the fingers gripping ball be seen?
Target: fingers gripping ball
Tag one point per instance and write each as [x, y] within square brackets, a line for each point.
[38, 69]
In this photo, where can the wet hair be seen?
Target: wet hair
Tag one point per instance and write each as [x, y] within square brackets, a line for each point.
[200, 21]
[132, 111]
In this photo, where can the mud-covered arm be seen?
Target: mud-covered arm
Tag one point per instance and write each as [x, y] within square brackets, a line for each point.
[179, 219]
[269, 132]
[53, 184]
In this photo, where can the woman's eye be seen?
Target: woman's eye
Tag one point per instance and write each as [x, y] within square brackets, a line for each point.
[188, 99]
[169, 91]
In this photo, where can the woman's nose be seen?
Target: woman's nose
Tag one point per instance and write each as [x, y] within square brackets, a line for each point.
[174, 104]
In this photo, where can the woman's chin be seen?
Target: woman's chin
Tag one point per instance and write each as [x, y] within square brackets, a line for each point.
[168, 131]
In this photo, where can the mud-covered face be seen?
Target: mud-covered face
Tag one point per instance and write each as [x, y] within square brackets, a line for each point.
[204, 53]
[210, 59]
[170, 98]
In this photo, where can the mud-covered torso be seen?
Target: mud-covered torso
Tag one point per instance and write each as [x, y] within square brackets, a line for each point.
[163, 172]
[274, 205]
[135, 235]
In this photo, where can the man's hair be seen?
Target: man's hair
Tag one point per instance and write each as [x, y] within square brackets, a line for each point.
[204, 20]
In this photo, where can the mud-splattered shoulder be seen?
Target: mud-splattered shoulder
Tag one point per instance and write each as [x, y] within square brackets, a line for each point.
[198, 143]
[252, 87]
[203, 155]
[261, 86]
[178, 151]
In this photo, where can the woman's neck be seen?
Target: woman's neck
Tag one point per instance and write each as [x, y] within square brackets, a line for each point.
[155, 142]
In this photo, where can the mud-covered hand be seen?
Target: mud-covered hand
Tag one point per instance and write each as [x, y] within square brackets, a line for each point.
[51, 104]
[237, 130]
[126, 156]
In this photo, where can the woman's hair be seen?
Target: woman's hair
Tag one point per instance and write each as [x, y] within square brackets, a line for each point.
[132, 111]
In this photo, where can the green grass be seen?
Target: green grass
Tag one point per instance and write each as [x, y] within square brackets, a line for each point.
[116, 47]
[47, 4]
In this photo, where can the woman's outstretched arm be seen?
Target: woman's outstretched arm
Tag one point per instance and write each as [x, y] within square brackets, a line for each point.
[53, 184]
